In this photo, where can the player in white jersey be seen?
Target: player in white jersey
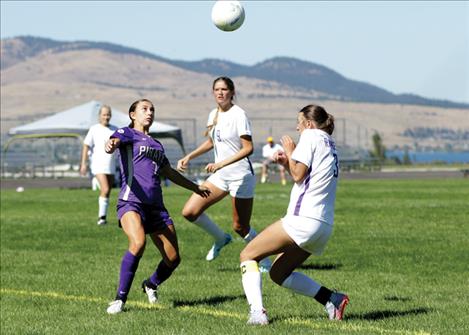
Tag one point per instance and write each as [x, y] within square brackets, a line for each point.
[103, 165]
[307, 226]
[229, 133]
[268, 152]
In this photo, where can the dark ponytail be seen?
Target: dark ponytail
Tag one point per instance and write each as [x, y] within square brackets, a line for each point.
[320, 117]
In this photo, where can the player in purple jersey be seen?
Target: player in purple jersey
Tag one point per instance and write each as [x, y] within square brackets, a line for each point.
[307, 225]
[140, 206]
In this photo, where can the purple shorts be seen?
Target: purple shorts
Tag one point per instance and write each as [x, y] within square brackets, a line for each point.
[153, 218]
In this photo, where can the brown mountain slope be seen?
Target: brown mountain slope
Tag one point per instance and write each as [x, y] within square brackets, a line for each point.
[35, 85]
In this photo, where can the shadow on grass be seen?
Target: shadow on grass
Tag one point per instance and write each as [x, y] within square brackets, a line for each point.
[207, 301]
[327, 266]
[386, 314]
[396, 298]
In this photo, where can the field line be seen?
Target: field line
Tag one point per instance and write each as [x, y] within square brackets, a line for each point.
[344, 326]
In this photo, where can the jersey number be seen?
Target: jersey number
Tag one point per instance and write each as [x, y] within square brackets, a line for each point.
[336, 163]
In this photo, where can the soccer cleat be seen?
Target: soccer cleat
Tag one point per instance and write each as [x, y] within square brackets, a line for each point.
[214, 252]
[115, 307]
[284, 182]
[258, 318]
[152, 293]
[263, 179]
[336, 305]
[101, 222]
[265, 265]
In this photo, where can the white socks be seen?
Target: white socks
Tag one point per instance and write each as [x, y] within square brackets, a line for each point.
[302, 284]
[252, 284]
[103, 206]
[204, 222]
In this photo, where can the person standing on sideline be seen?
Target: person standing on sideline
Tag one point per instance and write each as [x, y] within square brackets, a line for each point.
[140, 206]
[268, 152]
[307, 225]
[103, 166]
[229, 133]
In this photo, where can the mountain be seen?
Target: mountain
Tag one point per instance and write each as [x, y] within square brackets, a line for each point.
[287, 71]
[40, 77]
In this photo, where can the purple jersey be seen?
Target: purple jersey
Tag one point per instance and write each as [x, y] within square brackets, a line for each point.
[141, 158]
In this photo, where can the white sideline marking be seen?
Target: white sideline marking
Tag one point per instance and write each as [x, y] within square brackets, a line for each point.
[216, 313]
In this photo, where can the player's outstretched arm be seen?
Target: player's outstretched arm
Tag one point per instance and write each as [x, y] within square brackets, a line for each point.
[183, 163]
[182, 181]
[111, 145]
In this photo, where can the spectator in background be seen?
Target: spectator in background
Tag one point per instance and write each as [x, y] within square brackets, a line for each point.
[103, 165]
[268, 152]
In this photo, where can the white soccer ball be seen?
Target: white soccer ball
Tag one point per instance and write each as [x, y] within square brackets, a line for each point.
[228, 15]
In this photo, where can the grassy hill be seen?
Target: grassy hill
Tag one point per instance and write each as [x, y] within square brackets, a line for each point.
[41, 76]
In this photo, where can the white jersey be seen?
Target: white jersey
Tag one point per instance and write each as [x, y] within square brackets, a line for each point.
[269, 151]
[101, 162]
[231, 125]
[314, 197]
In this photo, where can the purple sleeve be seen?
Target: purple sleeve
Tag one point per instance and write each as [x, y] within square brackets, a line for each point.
[124, 134]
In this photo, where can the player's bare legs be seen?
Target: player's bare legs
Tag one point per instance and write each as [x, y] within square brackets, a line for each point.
[105, 184]
[194, 212]
[167, 244]
[241, 211]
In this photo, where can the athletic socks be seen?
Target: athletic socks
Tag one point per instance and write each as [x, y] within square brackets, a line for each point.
[252, 284]
[129, 266]
[301, 284]
[162, 273]
[323, 295]
[204, 222]
[103, 206]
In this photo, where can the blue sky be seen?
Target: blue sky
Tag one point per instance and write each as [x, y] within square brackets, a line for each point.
[417, 47]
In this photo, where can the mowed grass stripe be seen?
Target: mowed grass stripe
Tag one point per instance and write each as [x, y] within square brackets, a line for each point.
[344, 326]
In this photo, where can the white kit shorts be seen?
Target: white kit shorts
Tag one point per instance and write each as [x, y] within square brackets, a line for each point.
[308, 233]
[239, 188]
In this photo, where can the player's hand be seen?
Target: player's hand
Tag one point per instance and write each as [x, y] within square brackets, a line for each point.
[280, 158]
[288, 144]
[213, 167]
[203, 191]
[83, 169]
[182, 165]
[111, 145]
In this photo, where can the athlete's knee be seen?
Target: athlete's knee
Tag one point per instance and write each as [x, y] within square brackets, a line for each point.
[247, 254]
[190, 214]
[137, 246]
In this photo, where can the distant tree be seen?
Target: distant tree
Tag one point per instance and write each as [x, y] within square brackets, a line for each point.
[379, 150]
[406, 158]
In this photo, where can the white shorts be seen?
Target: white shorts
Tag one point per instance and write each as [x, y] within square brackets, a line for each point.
[238, 188]
[309, 234]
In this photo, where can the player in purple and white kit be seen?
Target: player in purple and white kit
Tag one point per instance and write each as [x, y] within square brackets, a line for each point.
[307, 226]
[140, 206]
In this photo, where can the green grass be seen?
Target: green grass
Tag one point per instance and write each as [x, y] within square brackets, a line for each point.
[400, 250]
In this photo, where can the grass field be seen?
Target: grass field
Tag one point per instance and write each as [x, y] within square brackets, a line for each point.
[400, 249]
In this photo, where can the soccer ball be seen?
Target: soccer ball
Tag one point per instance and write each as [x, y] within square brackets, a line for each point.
[227, 15]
